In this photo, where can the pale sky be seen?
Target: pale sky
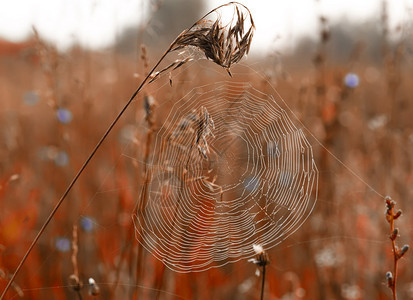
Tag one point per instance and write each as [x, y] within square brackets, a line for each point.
[95, 23]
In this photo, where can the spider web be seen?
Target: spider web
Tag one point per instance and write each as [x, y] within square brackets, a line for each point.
[229, 170]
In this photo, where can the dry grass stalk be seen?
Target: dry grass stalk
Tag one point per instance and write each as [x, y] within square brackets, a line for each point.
[391, 216]
[223, 44]
[49, 59]
[144, 58]
[74, 278]
[261, 260]
[17, 288]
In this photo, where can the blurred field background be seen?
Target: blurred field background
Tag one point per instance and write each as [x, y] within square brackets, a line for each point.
[352, 89]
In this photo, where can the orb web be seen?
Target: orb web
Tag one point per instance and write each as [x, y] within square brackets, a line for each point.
[229, 170]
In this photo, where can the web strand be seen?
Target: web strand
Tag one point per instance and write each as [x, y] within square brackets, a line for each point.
[352, 172]
[229, 170]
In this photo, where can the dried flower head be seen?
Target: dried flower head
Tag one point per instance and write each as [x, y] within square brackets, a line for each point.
[389, 279]
[94, 289]
[258, 249]
[261, 259]
[403, 251]
[223, 43]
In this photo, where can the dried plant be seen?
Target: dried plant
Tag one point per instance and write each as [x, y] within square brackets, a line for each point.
[261, 260]
[391, 216]
[74, 278]
[224, 44]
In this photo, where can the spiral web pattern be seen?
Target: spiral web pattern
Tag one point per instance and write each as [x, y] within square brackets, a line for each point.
[229, 170]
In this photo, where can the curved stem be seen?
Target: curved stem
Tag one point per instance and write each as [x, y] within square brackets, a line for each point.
[76, 177]
[91, 155]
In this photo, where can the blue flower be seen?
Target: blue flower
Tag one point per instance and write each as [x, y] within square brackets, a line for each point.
[351, 80]
[64, 115]
[61, 159]
[87, 223]
[62, 244]
[31, 98]
[251, 183]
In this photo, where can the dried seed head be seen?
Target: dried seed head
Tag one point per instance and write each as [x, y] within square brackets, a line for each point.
[223, 43]
[144, 57]
[94, 289]
[389, 279]
[390, 202]
[397, 214]
[394, 234]
[149, 105]
[258, 249]
[261, 259]
[403, 251]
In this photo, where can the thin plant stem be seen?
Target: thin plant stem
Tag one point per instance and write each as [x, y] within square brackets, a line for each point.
[77, 284]
[140, 208]
[79, 295]
[391, 216]
[261, 260]
[395, 263]
[390, 219]
[229, 52]
[263, 282]
[76, 177]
